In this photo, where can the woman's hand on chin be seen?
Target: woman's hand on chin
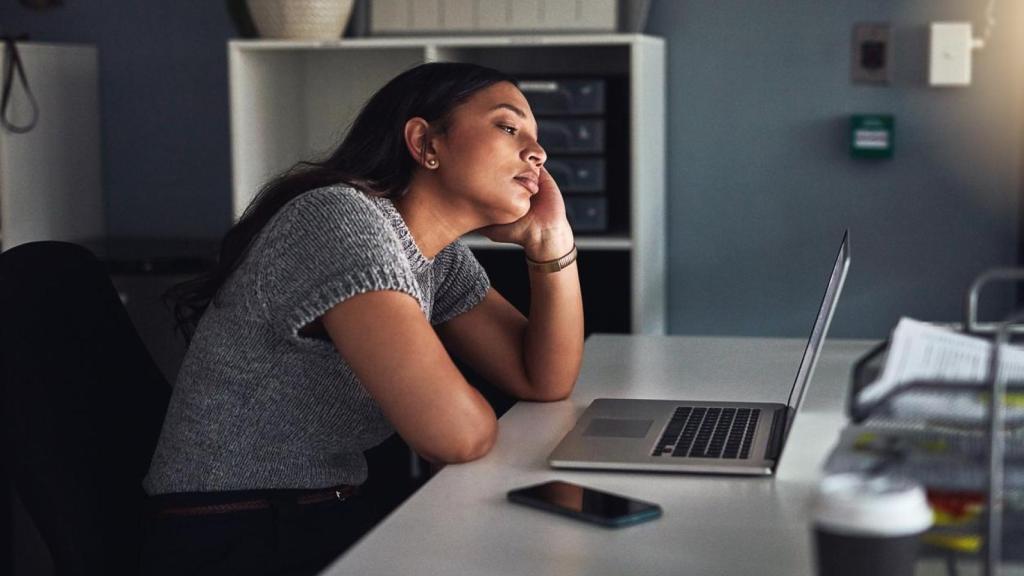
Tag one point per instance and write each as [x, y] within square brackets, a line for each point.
[543, 231]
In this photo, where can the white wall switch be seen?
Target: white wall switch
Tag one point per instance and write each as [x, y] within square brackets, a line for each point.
[950, 54]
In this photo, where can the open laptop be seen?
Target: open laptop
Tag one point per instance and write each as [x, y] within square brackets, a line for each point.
[710, 437]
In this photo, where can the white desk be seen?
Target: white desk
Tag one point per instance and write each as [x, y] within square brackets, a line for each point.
[461, 523]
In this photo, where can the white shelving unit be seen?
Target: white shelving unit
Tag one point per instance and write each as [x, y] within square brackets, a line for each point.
[293, 100]
[50, 185]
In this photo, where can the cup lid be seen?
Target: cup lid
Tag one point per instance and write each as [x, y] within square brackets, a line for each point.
[871, 505]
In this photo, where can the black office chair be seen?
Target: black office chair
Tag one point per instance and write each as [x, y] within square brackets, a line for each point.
[83, 404]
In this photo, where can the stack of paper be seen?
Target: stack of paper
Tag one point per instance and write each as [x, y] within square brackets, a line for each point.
[925, 353]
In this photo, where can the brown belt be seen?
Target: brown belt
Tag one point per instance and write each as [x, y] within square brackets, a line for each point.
[338, 493]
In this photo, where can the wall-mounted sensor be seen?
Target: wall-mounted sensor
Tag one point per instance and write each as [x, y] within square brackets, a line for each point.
[871, 53]
[949, 62]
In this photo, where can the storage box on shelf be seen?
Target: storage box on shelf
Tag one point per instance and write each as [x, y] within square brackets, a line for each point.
[582, 124]
[292, 100]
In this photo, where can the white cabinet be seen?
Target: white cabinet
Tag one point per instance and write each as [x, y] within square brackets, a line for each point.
[50, 185]
[292, 101]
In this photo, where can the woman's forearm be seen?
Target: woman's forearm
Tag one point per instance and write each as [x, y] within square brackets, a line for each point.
[553, 341]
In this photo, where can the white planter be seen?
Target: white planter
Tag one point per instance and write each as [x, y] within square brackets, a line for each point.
[300, 19]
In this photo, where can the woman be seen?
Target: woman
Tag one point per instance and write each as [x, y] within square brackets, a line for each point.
[332, 318]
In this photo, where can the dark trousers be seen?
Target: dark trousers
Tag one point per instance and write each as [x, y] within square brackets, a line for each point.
[285, 538]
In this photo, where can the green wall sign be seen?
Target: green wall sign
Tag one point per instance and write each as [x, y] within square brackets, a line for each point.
[872, 135]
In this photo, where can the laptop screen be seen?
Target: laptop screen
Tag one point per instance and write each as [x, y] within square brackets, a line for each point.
[818, 332]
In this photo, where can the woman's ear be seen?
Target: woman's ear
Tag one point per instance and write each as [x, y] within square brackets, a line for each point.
[418, 142]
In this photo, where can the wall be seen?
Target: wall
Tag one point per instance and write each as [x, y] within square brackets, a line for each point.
[760, 182]
[163, 107]
[762, 185]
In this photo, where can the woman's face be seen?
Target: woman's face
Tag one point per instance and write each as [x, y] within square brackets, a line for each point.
[489, 157]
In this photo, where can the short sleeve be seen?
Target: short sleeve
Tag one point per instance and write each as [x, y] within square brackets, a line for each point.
[321, 249]
[463, 285]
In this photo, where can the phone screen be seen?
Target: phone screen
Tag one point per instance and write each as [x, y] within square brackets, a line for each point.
[585, 503]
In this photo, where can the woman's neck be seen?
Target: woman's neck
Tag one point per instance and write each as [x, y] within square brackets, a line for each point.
[432, 222]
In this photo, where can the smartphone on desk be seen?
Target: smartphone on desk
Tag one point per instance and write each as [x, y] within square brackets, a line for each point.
[585, 504]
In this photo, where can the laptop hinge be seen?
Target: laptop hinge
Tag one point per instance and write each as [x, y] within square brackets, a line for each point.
[777, 432]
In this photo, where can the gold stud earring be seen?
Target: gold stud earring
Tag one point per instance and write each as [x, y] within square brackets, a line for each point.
[432, 163]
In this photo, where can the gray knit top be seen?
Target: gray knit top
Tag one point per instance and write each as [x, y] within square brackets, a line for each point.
[258, 406]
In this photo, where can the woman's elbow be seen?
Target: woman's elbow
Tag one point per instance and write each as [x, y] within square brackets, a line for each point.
[551, 392]
[475, 448]
[468, 446]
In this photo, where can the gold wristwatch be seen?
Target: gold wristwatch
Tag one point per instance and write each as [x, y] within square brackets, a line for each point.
[553, 265]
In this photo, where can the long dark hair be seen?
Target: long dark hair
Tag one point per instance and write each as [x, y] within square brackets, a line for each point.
[372, 157]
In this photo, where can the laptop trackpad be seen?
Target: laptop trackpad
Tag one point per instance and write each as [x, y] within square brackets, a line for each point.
[618, 428]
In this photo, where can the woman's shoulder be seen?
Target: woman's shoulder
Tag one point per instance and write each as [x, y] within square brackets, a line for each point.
[338, 197]
[337, 193]
[336, 207]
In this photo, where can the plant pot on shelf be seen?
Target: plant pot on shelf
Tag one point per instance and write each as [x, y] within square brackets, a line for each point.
[300, 19]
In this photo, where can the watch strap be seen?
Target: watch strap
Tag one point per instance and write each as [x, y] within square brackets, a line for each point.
[554, 265]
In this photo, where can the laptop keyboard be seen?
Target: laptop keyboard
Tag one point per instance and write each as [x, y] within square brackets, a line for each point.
[709, 433]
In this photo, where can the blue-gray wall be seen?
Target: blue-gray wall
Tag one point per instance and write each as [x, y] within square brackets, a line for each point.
[760, 181]
[762, 185]
[163, 106]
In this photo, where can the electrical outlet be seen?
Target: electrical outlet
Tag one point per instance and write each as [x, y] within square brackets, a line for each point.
[870, 54]
[950, 54]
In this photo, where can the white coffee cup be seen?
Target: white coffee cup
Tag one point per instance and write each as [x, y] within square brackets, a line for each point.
[869, 524]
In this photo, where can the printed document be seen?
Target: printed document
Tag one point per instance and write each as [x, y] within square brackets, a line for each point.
[922, 352]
